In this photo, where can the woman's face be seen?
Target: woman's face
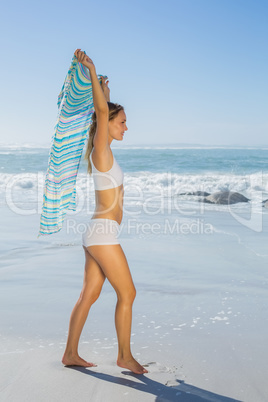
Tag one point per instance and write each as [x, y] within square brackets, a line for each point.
[117, 126]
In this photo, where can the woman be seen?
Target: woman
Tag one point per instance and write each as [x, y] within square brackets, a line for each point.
[104, 255]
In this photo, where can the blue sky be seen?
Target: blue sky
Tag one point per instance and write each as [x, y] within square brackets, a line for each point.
[187, 71]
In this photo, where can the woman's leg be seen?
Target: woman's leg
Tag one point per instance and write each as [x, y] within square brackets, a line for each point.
[93, 281]
[113, 262]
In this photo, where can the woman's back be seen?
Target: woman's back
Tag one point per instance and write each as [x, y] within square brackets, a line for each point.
[111, 178]
[109, 190]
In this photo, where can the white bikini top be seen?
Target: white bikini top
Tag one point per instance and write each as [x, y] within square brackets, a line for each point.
[110, 179]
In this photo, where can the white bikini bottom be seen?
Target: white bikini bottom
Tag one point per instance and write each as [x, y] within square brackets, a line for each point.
[101, 231]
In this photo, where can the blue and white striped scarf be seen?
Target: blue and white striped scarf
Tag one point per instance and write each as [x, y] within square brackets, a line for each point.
[75, 103]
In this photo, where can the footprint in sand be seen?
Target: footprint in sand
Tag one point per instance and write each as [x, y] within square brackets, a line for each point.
[155, 367]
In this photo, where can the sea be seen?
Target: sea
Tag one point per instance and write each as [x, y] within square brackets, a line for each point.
[158, 172]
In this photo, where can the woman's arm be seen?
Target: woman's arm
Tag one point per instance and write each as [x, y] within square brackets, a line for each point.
[105, 88]
[100, 103]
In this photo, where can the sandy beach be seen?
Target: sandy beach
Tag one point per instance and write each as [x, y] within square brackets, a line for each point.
[199, 319]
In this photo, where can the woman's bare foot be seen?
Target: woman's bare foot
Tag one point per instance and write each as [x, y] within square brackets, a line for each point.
[69, 360]
[132, 365]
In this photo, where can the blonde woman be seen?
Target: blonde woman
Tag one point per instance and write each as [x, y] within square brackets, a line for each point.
[104, 255]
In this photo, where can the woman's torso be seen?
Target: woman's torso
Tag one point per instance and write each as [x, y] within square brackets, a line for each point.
[109, 189]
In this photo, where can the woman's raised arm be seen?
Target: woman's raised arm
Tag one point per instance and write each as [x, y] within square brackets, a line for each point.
[105, 88]
[100, 103]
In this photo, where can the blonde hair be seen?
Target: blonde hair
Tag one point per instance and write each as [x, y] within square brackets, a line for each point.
[114, 109]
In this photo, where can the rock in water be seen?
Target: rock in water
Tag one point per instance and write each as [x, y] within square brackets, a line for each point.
[225, 198]
[199, 193]
[265, 204]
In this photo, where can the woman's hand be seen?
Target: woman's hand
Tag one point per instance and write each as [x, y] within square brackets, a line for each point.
[84, 59]
[99, 100]
[105, 88]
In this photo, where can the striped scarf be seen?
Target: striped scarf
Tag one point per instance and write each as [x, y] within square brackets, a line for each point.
[75, 104]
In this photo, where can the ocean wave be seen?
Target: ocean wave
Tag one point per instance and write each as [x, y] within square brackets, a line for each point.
[253, 186]
[188, 146]
[30, 146]
[17, 146]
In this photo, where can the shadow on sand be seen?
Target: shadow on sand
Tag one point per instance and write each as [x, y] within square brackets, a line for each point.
[182, 392]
